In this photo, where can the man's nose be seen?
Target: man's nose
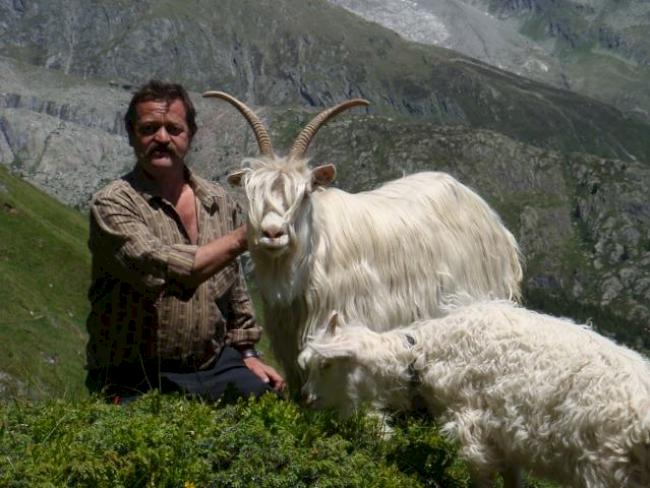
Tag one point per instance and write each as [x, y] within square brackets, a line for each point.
[162, 135]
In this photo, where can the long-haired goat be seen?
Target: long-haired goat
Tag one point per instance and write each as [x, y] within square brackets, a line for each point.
[516, 388]
[387, 255]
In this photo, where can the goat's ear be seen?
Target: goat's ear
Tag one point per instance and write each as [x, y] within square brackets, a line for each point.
[332, 323]
[323, 175]
[234, 178]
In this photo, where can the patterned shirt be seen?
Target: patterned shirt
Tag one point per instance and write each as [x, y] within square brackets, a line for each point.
[140, 308]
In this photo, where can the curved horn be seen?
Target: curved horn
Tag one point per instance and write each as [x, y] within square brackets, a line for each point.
[304, 138]
[261, 134]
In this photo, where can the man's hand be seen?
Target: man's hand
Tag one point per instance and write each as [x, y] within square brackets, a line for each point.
[266, 373]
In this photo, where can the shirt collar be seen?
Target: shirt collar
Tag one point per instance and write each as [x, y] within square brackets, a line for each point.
[208, 195]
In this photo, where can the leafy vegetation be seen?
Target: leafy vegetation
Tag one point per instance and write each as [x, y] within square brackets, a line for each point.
[170, 441]
[175, 442]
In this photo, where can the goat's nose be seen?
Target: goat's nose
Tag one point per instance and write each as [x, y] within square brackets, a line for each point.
[307, 399]
[273, 231]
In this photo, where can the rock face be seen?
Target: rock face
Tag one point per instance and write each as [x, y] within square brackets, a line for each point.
[466, 27]
[67, 69]
[309, 54]
[599, 47]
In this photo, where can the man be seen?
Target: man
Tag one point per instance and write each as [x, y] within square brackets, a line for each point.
[169, 306]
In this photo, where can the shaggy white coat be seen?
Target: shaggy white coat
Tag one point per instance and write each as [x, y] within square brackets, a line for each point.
[386, 255]
[511, 385]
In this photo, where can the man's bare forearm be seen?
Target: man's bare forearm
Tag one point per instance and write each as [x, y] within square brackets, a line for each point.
[217, 254]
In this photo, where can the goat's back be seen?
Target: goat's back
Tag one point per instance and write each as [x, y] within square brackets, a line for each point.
[578, 399]
[394, 252]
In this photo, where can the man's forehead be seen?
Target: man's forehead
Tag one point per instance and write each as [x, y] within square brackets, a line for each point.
[169, 108]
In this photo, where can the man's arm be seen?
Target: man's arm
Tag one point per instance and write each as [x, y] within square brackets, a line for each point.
[243, 332]
[122, 238]
[216, 255]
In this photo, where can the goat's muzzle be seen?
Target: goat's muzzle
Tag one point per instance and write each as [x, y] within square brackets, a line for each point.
[273, 234]
[308, 399]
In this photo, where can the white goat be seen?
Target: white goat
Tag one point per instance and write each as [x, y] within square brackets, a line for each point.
[387, 255]
[514, 387]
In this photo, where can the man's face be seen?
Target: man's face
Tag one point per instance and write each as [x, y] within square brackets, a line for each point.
[161, 135]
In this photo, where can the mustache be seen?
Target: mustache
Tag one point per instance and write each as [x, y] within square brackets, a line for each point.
[163, 148]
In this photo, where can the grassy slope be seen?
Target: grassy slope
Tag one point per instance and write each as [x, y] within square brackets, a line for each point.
[45, 269]
[44, 266]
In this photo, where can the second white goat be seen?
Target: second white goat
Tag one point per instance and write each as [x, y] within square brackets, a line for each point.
[514, 387]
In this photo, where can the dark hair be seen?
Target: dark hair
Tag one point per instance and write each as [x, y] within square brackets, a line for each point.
[160, 90]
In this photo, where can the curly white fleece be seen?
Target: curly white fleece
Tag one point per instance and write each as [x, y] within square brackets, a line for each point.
[512, 385]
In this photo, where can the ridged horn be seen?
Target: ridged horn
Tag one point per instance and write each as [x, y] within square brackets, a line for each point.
[261, 134]
[304, 138]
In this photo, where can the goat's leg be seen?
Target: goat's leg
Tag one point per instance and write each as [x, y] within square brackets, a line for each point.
[512, 477]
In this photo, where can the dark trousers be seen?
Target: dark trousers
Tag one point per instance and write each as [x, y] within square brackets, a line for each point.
[122, 384]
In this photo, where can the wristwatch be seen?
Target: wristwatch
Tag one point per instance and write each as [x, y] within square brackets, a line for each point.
[250, 353]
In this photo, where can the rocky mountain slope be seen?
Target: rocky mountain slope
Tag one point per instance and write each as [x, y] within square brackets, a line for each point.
[466, 27]
[583, 221]
[600, 48]
[307, 53]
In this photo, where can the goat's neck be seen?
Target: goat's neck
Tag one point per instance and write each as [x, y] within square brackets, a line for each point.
[389, 357]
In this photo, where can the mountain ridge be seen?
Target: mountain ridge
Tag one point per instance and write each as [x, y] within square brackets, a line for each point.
[320, 56]
[598, 48]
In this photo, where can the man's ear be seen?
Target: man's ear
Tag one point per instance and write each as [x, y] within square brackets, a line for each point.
[323, 175]
[235, 178]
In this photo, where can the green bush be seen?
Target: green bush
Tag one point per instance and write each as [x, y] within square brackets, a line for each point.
[169, 441]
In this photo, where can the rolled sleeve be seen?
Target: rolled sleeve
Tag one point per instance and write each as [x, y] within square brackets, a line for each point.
[180, 261]
[243, 337]
[242, 328]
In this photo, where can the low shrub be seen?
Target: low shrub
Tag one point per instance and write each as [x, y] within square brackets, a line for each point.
[170, 441]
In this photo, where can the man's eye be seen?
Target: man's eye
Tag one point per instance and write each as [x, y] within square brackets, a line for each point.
[147, 130]
[174, 130]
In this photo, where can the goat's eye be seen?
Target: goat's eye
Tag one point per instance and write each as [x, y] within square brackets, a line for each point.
[325, 365]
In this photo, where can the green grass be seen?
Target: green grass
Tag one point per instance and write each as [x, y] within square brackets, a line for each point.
[45, 269]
